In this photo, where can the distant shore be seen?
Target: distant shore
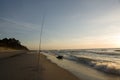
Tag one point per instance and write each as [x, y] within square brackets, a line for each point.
[23, 67]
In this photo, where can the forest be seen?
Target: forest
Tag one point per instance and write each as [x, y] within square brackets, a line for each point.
[12, 43]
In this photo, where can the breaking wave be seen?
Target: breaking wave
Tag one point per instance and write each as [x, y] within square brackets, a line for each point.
[106, 60]
[102, 65]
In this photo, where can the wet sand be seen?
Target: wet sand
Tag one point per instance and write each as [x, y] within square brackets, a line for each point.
[52, 72]
[24, 67]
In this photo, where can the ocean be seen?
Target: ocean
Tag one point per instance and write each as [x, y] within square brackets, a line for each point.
[89, 64]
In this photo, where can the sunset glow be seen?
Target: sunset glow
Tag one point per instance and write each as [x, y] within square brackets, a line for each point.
[68, 24]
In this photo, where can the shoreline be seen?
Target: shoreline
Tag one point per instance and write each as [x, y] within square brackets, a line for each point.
[80, 70]
[53, 71]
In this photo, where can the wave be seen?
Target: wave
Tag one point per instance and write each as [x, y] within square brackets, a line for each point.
[108, 67]
[102, 65]
[105, 60]
[105, 53]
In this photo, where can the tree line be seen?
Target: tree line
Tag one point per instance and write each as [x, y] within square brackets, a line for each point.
[12, 43]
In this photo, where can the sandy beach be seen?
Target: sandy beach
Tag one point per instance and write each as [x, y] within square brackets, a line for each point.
[52, 72]
[24, 67]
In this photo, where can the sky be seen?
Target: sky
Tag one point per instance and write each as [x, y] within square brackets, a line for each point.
[68, 24]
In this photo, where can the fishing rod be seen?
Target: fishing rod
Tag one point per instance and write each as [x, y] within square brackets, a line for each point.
[40, 44]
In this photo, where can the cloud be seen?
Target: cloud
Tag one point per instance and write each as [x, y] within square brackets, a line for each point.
[9, 26]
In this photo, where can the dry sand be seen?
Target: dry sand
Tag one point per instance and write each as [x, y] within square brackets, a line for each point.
[24, 67]
[7, 52]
